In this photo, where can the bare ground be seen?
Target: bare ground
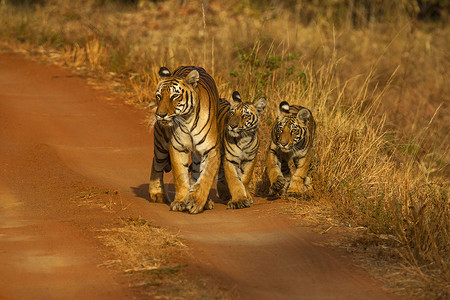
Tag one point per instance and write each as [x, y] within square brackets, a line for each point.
[59, 136]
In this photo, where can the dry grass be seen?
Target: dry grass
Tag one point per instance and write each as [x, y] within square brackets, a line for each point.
[142, 247]
[109, 200]
[154, 260]
[374, 75]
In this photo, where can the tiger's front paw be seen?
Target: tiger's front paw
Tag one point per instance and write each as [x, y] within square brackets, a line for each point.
[277, 187]
[193, 204]
[241, 203]
[158, 198]
[300, 187]
[177, 206]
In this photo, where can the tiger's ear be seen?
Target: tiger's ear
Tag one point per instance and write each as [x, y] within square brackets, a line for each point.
[283, 109]
[260, 104]
[164, 72]
[236, 96]
[303, 115]
[192, 78]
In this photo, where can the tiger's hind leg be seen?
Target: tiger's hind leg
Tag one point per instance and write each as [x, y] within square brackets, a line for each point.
[194, 168]
[222, 191]
[161, 163]
[209, 204]
[156, 186]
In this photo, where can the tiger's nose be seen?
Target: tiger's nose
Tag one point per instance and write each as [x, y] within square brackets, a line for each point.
[283, 143]
[161, 115]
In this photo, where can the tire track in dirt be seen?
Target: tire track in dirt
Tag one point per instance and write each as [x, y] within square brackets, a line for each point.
[59, 135]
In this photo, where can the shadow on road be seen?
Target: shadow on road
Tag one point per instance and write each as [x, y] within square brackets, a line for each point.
[141, 191]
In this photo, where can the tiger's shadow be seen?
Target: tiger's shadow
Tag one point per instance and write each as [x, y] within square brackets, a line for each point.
[141, 191]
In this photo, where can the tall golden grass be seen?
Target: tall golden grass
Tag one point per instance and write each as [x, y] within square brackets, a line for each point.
[374, 76]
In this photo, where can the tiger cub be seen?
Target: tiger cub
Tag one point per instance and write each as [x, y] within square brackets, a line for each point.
[292, 138]
[239, 122]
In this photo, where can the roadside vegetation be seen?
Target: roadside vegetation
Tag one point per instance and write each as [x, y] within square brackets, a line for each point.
[375, 74]
[152, 259]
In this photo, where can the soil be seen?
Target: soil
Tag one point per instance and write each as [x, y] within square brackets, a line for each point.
[58, 136]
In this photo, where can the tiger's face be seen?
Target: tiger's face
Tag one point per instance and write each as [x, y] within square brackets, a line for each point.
[244, 116]
[175, 97]
[291, 129]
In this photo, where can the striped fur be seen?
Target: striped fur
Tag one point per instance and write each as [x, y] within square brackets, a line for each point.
[239, 122]
[292, 139]
[186, 122]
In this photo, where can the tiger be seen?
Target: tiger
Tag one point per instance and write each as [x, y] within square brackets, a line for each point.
[292, 138]
[239, 122]
[185, 122]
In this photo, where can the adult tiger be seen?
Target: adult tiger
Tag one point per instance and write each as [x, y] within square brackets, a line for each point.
[239, 122]
[186, 122]
[292, 138]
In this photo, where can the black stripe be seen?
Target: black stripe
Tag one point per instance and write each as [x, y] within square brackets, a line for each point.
[161, 133]
[204, 137]
[180, 150]
[235, 143]
[207, 121]
[176, 137]
[207, 151]
[186, 131]
[187, 102]
[160, 161]
[161, 149]
[233, 162]
[229, 150]
[197, 116]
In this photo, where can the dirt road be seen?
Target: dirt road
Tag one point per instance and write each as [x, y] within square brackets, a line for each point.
[57, 135]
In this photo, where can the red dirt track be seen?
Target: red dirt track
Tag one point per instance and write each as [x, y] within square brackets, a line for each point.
[58, 135]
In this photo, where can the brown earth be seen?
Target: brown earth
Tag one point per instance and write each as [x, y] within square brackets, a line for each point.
[58, 136]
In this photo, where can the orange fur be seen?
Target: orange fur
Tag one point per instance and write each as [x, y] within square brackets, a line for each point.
[240, 143]
[292, 139]
[186, 122]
